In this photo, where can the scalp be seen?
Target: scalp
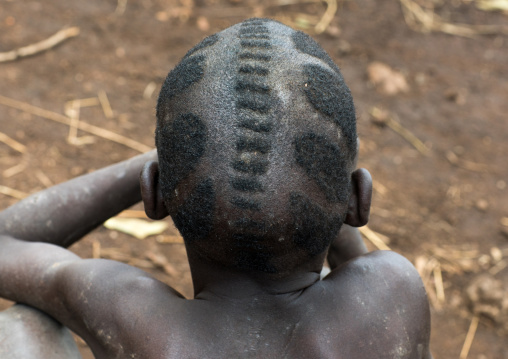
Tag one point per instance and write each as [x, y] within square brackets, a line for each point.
[256, 133]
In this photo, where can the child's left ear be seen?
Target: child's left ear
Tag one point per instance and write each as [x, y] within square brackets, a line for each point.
[151, 192]
[361, 198]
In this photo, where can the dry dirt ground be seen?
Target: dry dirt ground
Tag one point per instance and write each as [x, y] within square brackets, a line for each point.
[443, 205]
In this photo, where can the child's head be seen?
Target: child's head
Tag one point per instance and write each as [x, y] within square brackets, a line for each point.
[256, 137]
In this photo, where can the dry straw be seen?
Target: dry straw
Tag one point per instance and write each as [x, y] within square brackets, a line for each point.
[83, 126]
[426, 20]
[41, 46]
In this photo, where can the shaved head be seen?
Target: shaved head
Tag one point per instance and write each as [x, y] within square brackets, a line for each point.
[256, 136]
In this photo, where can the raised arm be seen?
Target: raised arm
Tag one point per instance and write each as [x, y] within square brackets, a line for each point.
[348, 245]
[64, 213]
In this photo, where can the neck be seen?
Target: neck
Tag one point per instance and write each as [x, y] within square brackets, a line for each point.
[213, 281]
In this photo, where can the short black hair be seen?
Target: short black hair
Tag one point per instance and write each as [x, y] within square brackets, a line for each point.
[256, 136]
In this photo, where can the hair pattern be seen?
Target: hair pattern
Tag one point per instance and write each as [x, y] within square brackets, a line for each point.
[228, 108]
[253, 105]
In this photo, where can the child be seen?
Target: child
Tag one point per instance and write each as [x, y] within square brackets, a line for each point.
[257, 149]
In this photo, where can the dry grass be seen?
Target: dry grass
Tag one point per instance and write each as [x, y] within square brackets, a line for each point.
[426, 20]
[41, 46]
[83, 126]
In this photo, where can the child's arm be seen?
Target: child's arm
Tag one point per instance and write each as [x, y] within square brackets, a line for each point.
[64, 213]
[89, 296]
[27, 333]
[348, 245]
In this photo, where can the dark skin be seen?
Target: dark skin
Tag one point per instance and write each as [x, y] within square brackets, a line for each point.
[372, 305]
[27, 333]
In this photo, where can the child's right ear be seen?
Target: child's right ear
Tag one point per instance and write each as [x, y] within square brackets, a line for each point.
[360, 199]
[151, 192]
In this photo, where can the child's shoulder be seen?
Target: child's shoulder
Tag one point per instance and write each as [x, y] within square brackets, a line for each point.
[386, 266]
[385, 276]
[382, 295]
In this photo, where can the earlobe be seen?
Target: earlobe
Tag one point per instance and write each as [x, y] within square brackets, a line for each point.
[150, 191]
[361, 198]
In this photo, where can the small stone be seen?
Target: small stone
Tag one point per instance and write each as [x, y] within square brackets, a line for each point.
[482, 205]
[387, 80]
[420, 78]
[344, 47]
[379, 117]
[203, 24]
[162, 16]
[485, 294]
[496, 254]
[333, 31]
[120, 52]
[456, 95]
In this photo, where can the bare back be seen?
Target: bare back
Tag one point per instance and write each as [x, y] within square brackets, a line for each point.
[373, 306]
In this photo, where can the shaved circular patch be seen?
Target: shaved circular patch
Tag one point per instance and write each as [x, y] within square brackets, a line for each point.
[208, 41]
[194, 218]
[306, 44]
[314, 228]
[324, 162]
[328, 94]
[186, 73]
[184, 140]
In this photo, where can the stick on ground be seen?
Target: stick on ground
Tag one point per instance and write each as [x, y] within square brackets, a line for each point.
[423, 20]
[328, 16]
[384, 118]
[106, 106]
[9, 172]
[469, 337]
[374, 238]
[83, 126]
[15, 145]
[12, 192]
[467, 165]
[40, 46]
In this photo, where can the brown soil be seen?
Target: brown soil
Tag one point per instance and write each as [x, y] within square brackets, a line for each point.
[446, 207]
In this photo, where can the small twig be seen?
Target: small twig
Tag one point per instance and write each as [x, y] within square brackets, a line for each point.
[41, 176]
[386, 119]
[106, 106]
[149, 90]
[12, 192]
[438, 282]
[492, 5]
[41, 46]
[72, 111]
[502, 264]
[15, 145]
[374, 238]
[467, 165]
[328, 16]
[130, 213]
[469, 337]
[280, 3]
[14, 170]
[425, 267]
[408, 136]
[160, 261]
[425, 21]
[96, 249]
[120, 7]
[83, 102]
[174, 239]
[83, 126]
[380, 188]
